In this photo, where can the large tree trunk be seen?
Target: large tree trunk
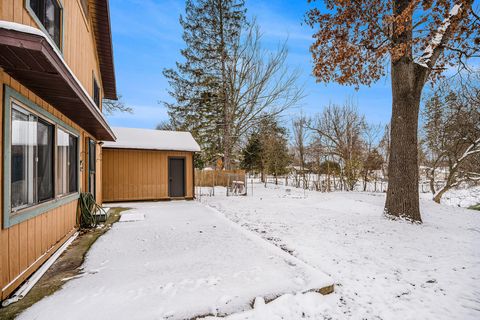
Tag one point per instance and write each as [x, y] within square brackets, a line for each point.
[402, 194]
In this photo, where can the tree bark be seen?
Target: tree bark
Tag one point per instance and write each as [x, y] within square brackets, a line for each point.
[438, 197]
[432, 182]
[402, 194]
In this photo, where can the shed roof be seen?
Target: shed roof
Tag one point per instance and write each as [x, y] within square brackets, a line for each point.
[134, 138]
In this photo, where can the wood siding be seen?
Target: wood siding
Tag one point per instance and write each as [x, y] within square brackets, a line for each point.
[26, 245]
[34, 240]
[79, 50]
[131, 175]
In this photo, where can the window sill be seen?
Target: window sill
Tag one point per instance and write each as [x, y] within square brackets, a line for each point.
[11, 219]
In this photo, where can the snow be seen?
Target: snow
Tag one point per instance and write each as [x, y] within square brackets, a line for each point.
[134, 138]
[438, 37]
[289, 306]
[129, 217]
[462, 197]
[182, 261]
[383, 269]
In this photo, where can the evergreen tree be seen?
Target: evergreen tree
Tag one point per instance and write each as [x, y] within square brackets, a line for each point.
[251, 154]
[275, 156]
[198, 85]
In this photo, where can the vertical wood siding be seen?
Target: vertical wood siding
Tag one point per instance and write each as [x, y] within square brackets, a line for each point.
[24, 246]
[130, 174]
[79, 50]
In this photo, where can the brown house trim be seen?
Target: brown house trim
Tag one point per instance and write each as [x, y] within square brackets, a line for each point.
[31, 60]
[100, 15]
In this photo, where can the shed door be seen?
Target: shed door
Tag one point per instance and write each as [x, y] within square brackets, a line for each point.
[176, 177]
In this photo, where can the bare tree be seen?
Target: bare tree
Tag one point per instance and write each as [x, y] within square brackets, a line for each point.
[109, 107]
[300, 142]
[259, 83]
[452, 135]
[384, 149]
[339, 130]
[372, 159]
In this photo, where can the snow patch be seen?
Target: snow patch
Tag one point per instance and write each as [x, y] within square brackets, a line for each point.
[129, 217]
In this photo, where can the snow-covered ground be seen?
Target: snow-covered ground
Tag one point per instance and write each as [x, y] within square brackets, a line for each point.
[176, 260]
[462, 197]
[383, 269]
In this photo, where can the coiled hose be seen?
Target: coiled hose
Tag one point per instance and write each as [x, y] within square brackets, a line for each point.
[87, 207]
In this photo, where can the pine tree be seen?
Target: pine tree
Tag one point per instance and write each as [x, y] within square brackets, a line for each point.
[251, 154]
[198, 85]
[275, 156]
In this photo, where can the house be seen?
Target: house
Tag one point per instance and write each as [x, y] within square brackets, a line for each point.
[56, 65]
[148, 164]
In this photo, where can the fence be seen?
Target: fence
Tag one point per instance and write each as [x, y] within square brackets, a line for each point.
[324, 183]
[210, 178]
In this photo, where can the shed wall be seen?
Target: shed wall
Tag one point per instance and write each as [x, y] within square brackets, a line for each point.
[132, 175]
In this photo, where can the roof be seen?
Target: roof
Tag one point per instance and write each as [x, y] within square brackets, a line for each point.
[29, 56]
[133, 138]
[100, 15]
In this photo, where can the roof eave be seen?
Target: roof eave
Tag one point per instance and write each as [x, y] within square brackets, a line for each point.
[100, 15]
[42, 64]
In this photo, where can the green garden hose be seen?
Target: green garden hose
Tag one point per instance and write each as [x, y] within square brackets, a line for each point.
[87, 207]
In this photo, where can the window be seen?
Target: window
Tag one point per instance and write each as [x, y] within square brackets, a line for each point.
[39, 174]
[49, 14]
[96, 93]
[66, 162]
[31, 159]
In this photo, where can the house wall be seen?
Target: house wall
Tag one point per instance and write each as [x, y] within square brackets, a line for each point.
[130, 174]
[26, 245]
[78, 48]
[23, 243]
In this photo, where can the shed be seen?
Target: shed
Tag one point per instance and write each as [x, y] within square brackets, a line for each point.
[145, 164]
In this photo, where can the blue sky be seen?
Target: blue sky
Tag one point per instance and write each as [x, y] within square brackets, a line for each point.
[147, 38]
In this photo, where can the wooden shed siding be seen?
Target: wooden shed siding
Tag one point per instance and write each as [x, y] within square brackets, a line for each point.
[25, 245]
[79, 50]
[130, 174]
